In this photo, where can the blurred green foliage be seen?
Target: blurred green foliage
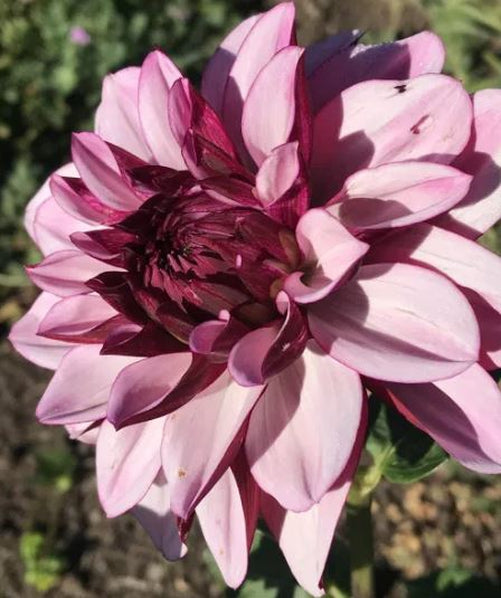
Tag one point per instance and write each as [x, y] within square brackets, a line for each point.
[471, 31]
[42, 571]
[50, 85]
[55, 468]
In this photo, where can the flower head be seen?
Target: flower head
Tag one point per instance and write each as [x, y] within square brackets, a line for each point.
[227, 272]
[79, 36]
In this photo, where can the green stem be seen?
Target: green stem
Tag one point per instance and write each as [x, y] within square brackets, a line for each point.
[360, 536]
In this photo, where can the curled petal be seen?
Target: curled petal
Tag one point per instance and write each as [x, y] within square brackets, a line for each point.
[266, 351]
[425, 118]
[398, 322]
[302, 431]
[216, 337]
[330, 253]
[398, 194]
[462, 413]
[144, 384]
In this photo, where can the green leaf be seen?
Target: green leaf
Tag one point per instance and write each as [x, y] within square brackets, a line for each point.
[402, 453]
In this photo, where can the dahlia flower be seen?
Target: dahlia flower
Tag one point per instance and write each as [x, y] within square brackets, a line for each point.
[227, 272]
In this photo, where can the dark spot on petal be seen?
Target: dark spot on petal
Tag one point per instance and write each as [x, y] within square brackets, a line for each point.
[401, 88]
[416, 128]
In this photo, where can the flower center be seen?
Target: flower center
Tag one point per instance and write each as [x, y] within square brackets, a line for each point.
[188, 258]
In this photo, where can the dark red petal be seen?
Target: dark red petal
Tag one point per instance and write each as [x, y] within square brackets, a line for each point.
[201, 374]
[105, 245]
[115, 290]
[145, 342]
[289, 343]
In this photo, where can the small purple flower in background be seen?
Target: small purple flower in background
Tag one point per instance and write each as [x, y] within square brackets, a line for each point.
[227, 272]
[79, 36]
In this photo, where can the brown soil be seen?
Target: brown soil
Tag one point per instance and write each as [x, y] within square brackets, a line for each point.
[449, 519]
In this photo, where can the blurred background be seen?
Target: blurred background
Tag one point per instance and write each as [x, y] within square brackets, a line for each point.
[438, 537]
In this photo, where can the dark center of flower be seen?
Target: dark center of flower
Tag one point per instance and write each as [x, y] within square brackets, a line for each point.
[188, 258]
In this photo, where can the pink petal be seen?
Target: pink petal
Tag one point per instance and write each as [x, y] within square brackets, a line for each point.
[127, 463]
[117, 119]
[180, 110]
[79, 390]
[100, 172]
[53, 227]
[245, 363]
[489, 322]
[271, 32]
[215, 75]
[75, 199]
[217, 337]
[23, 335]
[326, 49]
[75, 315]
[266, 351]
[374, 122]
[154, 514]
[214, 418]
[302, 431]
[462, 413]
[465, 262]
[330, 252]
[86, 433]
[270, 107]
[143, 384]
[481, 208]
[221, 517]
[398, 322]
[42, 195]
[278, 173]
[158, 75]
[398, 194]
[66, 272]
[416, 55]
[305, 538]
[249, 494]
